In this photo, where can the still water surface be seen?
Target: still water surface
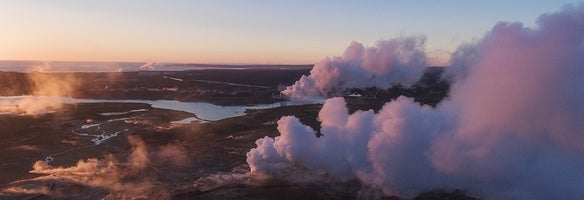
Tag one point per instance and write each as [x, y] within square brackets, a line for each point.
[204, 111]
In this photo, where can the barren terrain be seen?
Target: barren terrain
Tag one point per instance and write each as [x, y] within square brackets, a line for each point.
[126, 150]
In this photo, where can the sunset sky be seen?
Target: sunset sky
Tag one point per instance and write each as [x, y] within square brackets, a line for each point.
[242, 32]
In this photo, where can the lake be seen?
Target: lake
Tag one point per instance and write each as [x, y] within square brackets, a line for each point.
[203, 110]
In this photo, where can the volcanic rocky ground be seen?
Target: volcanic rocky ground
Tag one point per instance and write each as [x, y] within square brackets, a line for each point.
[141, 154]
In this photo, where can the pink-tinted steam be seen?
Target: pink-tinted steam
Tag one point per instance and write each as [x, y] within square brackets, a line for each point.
[511, 127]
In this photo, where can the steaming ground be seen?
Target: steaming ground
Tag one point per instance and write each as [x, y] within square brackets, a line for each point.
[511, 127]
[76, 152]
[153, 159]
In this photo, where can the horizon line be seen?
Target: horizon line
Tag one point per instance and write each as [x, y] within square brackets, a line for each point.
[161, 62]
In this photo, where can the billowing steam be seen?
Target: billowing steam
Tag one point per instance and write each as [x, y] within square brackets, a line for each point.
[149, 66]
[43, 84]
[400, 60]
[117, 179]
[511, 128]
[107, 173]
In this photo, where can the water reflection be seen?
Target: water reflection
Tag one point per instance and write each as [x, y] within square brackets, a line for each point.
[203, 110]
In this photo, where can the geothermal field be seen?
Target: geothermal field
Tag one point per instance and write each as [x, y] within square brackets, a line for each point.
[504, 120]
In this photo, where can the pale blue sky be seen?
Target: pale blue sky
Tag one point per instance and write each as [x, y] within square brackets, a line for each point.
[250, 31]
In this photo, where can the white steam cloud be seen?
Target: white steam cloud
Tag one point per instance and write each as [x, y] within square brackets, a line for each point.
[149, 66]
[400, 60]
[511, 128]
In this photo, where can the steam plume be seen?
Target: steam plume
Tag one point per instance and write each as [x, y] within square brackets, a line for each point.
[510, 129]
[174, 154]
[149, 66]
[400, 60]
[118, 179]
[52, 85]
